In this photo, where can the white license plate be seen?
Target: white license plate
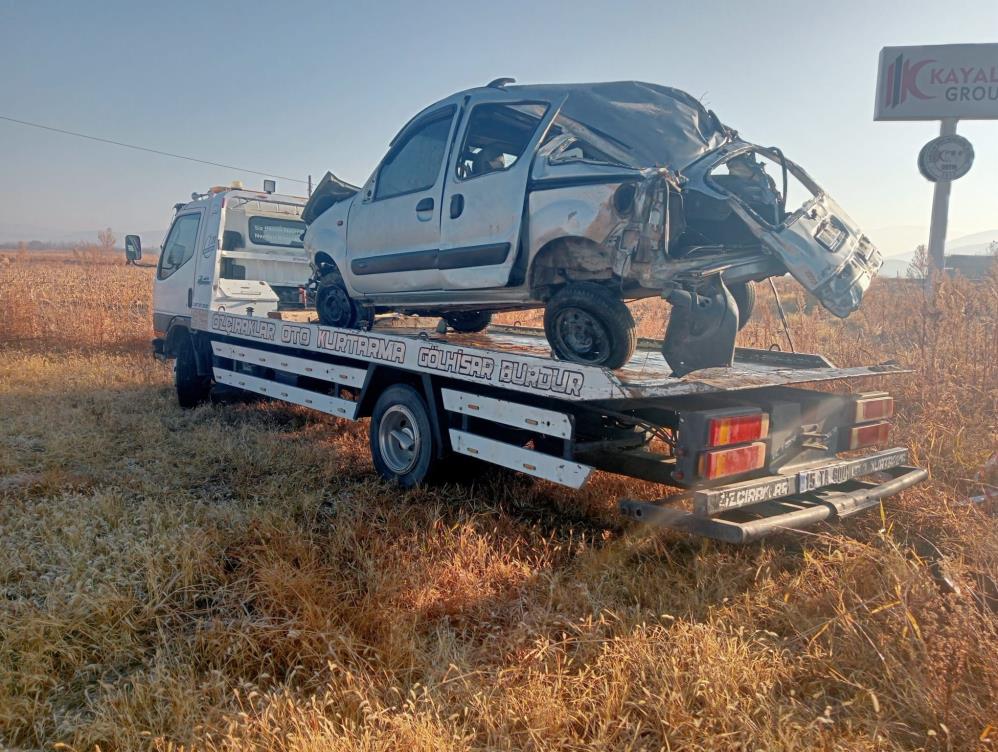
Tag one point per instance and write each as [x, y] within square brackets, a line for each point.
[808, 480]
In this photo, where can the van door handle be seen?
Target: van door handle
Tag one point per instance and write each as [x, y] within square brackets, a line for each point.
[456, 205]
[425, 205]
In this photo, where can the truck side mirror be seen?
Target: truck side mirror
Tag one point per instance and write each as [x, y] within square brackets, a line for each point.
[133, 249]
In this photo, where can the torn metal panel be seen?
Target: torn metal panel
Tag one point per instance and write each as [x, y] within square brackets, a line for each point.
[330, 190]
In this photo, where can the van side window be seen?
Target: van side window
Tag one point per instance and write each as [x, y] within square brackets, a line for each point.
[179, 245]
[497, 135]
[414, 163]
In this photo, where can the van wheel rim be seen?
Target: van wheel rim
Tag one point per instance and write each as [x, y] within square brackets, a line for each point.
[398, 439]
[335, 306]
[582, 335]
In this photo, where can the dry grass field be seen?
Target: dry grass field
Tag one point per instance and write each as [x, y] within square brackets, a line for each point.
[235, 578]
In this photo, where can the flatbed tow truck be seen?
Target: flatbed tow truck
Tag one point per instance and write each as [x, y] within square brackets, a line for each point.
[756, 452]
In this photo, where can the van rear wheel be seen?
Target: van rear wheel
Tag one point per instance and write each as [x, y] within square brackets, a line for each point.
[744, 295]
[587, 323]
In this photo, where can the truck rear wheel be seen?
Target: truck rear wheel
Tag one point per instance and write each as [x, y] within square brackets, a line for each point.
[401, 437]
[587, 323]
[192, 388]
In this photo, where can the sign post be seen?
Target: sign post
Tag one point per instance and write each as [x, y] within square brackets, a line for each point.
[945, 82]
[940, 208]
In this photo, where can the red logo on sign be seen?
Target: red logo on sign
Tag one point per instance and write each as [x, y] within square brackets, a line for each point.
[901, 80]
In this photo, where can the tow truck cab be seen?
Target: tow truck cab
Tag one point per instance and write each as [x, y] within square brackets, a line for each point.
[228, 249]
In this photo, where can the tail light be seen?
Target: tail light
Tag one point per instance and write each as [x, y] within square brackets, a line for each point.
[721, 463]
[875, 406]
[869, 435]
[737, 429]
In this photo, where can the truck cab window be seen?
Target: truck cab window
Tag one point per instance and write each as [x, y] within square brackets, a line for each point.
[414, 163]
[179, 245]
[497, 136]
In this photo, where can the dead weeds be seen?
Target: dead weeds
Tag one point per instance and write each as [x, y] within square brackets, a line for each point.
[235, 578]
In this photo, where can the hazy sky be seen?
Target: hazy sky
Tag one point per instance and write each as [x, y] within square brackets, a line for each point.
[302, 88]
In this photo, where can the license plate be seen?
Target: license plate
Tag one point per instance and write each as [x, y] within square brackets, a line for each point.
[830, 236]
[808, 480]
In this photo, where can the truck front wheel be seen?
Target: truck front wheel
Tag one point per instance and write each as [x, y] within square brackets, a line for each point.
[192, 388]
[587, 323]
[401, 437]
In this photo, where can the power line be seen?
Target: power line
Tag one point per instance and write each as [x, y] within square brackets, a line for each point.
[151, 151]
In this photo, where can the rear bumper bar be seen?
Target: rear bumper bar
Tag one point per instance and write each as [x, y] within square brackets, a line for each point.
[752, 522]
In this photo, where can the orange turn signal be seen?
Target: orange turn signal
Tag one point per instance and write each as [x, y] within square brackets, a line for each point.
[737, 429]
[874, 407]
[720, 463]
[869, 435]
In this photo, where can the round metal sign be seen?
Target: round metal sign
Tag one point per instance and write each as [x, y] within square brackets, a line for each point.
[945, 158]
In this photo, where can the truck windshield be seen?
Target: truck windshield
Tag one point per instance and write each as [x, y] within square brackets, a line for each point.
[286, 233]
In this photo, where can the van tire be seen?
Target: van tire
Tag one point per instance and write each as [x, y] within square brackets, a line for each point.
[403, 447]
[744, 295]
[335, 306]
[193, 388]
[468, 322]
[587, 323]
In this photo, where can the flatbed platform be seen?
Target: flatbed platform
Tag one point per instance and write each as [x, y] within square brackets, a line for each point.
[518, 358]
[499, 396]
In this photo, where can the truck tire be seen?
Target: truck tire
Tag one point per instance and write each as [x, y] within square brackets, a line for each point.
[335, 306]
[401, 436]
[587, 323]
[468, 322]
[744, 295]
[193, 388]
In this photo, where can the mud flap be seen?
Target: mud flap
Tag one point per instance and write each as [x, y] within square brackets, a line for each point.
[702, 327]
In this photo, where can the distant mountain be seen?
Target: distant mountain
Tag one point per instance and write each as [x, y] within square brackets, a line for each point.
[896, 266]
[14, 232]
[978, 242]
[900, 240]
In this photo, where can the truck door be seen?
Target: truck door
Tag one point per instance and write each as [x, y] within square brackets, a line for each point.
[486, 190]
[174, 289]
[206, 259]
[393, 231]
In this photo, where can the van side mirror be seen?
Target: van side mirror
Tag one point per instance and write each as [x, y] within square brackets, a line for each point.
[133, 249]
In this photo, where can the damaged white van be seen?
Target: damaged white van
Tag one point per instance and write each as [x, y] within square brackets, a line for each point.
[577, 197]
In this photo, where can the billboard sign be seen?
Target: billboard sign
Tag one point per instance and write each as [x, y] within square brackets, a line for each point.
[938, 81]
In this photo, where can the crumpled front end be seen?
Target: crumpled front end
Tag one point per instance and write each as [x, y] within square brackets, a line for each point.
[814, 239]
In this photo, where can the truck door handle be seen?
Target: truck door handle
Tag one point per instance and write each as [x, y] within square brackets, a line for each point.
[456, 205]
[425, 205]
[190, 297]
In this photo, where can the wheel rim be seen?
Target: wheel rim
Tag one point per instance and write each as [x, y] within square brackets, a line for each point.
[582, 335]
[398, 439]
[334, 306]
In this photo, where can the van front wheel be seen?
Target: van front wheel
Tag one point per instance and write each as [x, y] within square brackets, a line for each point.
[335, 307]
